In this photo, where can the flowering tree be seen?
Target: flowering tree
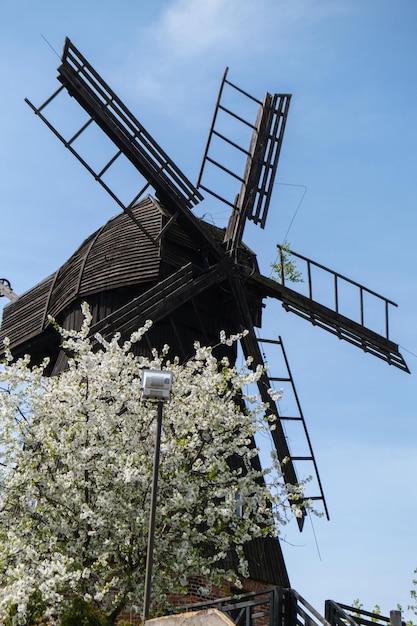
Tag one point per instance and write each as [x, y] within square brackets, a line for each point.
[76, 463]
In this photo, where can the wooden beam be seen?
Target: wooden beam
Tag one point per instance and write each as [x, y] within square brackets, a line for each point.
[5, 290]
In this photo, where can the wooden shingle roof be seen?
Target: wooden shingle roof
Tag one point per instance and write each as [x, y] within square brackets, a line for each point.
[117, 255]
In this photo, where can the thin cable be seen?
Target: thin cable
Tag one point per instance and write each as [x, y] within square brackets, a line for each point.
[409, 351]
[50, 45]
[298, 206]
[314, 535]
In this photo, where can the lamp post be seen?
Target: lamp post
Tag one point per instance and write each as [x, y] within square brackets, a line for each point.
[156, 385]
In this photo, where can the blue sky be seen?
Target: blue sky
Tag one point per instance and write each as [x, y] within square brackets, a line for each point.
[350, 144]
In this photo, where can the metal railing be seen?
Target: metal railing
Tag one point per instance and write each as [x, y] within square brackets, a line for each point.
[344, 615]
[249, 609]
[277, 606]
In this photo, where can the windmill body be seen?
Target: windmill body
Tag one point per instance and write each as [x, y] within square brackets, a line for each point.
[156, 260]
[126, 279]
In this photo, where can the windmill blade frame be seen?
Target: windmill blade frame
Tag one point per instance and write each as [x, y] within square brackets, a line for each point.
[262, 156]
[250, 347]
[359, 333]
[130, 137]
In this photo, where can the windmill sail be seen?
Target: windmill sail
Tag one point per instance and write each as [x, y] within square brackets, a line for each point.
[292, 419]
[251, 348]
[332, 317]
[262, 155]
[128, 135]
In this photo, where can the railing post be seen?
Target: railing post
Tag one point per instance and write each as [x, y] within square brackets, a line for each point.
[276, 607]
[336, 294]
[395, 618]
[289, 617]
[310, 288]
[248, 616]
[328, 611]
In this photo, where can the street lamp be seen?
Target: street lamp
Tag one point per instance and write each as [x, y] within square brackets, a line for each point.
[156, 385]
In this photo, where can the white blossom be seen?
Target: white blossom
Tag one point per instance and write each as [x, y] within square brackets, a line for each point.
[76, 455]
[275, 394]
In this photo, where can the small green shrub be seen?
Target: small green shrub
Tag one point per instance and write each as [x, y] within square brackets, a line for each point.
[81, 613]
[286, 268]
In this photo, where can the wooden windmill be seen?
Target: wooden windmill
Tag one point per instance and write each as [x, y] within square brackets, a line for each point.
[157, 260]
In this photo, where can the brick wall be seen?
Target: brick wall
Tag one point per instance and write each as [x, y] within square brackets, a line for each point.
[194, 595]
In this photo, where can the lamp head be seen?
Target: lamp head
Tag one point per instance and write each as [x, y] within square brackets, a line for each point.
[156, 384]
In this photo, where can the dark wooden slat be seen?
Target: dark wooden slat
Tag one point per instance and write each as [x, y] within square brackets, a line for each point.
[159, 301]
[335, 323]
[112, 116]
